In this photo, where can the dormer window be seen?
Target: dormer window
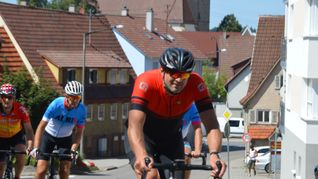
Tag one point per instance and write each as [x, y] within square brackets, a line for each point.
[71, 74]
[92, 76]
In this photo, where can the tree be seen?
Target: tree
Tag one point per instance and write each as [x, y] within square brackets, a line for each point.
[35, 97]
[215, 84]
[229, 24]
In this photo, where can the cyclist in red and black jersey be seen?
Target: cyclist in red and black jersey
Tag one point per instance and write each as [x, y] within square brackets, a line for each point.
[160, 98]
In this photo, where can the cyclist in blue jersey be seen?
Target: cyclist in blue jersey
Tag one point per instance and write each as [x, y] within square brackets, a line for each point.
[191, 117]
[56, 127]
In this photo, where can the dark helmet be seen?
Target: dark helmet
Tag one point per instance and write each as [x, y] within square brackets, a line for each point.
[177, 59]
[8, 89]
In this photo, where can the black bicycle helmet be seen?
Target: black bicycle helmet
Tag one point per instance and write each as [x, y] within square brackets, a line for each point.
[177, 59]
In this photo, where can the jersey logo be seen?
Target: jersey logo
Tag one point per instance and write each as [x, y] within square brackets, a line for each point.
[143, 86]
[201, 87]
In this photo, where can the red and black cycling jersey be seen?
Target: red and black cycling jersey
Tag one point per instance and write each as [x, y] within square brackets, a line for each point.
[163, 111]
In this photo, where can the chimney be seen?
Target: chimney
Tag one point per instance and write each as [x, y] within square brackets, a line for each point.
[23, 3]
[149, 20]
[124, 11]
[71, 8]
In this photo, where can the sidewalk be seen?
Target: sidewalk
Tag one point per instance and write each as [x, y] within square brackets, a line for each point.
[239, 171]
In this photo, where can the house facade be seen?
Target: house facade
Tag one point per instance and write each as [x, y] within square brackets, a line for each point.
[262, 101]
[51, 40]
[144, 39]
[237, 88]
[300, 125]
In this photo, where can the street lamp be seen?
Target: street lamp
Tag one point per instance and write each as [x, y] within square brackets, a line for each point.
[84, 64]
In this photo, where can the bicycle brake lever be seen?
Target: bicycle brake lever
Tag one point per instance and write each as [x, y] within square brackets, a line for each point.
[147, 161]
[219, 165]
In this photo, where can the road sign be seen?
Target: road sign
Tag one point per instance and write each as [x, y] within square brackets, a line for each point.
[246, 138]
[227, 114]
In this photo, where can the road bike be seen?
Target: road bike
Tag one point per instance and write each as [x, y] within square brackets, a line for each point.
[8, 174]
[179, 164]
[54, 157]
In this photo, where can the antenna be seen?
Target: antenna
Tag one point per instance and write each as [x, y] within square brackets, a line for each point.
[168, 13]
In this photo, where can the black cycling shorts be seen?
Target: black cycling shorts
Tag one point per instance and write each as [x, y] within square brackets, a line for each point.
[7, 143]
[48, 144]
[163, 152]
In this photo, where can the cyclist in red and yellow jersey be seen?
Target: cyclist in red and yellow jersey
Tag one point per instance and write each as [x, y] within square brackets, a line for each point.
[13, 119]
[160, 98]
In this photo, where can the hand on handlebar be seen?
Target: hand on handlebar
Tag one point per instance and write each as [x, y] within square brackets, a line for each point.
[74, 154]
[195, 154]
[218, 166]
[142, 165]
[34, 153]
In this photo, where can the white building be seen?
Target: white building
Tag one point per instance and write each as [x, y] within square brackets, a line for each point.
[300, 126]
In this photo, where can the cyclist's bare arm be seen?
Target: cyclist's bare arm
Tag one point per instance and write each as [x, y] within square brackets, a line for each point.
[39, 133]
[214, 139]
[29, 134]
[77, 139]
[136, 139]
[197, 140]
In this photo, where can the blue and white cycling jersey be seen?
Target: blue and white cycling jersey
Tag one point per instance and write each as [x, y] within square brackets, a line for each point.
[190, 117]
[61, 121]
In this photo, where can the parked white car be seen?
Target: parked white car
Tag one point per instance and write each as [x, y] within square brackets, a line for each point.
[261, 150]
[236, 126]
[263, 159]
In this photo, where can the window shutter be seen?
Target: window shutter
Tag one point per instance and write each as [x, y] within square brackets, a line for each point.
[252, 116]
[277, 82]
[274, 117]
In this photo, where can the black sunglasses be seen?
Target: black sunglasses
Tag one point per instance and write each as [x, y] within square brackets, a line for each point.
[7, 96]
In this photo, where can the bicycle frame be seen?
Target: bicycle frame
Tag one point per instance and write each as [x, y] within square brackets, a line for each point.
[8, 174]
[53, 156]
[179, 164]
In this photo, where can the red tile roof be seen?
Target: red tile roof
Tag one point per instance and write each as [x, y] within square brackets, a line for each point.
[267, 50]
[179, 14]
[238, 48]
[37, 29]
[152, 44]
[105, 59]
[206, 41]
[9, 56]
[261, 131]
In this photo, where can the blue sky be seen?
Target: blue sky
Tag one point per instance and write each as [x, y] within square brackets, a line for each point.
[245, 11]
[9, 1]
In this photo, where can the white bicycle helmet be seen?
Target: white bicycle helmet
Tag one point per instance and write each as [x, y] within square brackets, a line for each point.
[73, 88]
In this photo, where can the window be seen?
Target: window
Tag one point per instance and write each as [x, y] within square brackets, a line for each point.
[71, 74]
[101, 112]
[123, 76]
[102, 146]
[279, 81]
[313, 18]
[89, 112]
[125, 107]
[111, 76]
[113, 111]
[93, 76]
[312, 98]
[263, 116]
